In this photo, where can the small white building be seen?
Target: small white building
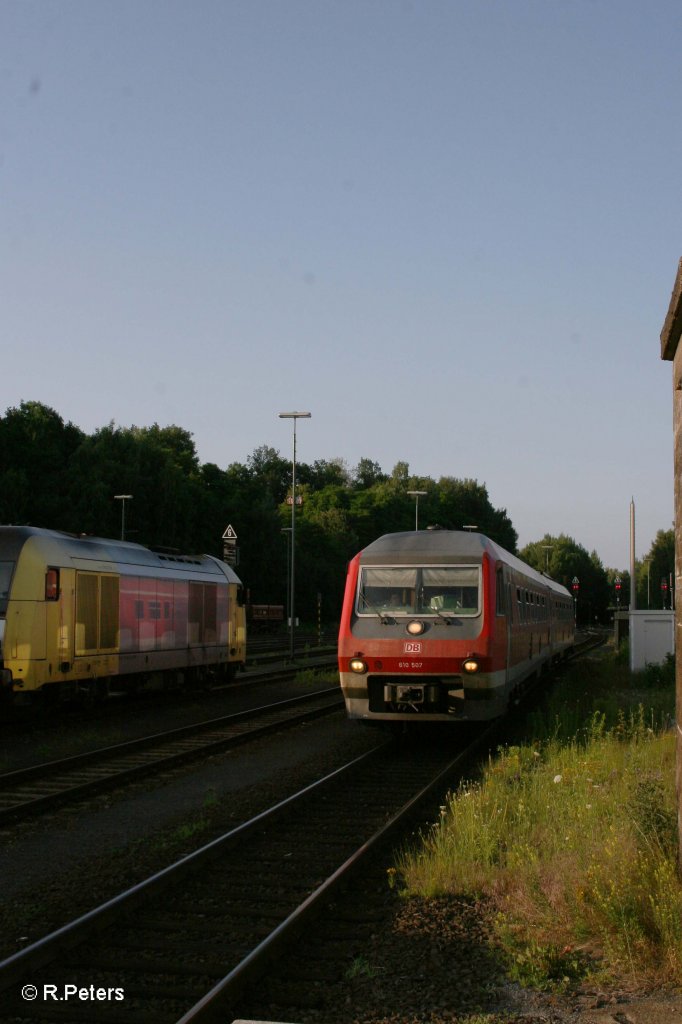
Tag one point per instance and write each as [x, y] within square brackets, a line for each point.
[652, 638]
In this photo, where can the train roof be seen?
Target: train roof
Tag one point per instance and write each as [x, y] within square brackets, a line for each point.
[430, 547]
[120, 552]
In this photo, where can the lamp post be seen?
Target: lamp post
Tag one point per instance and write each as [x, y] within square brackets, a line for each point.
[292, 609]
[286, 531]
[123, 498]
[415, 495]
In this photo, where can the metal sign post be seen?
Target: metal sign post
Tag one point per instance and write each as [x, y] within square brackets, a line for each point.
[230, 552]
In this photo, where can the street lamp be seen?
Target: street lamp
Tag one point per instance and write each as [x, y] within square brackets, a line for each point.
[123, 498]
[415, 495]
[293, 416]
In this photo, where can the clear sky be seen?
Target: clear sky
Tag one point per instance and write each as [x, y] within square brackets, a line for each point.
[449, 229]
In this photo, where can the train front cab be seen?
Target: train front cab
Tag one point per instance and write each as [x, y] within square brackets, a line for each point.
[453, 666]
[523, 623]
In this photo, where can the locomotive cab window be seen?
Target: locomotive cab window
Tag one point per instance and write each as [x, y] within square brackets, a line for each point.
[430, 590]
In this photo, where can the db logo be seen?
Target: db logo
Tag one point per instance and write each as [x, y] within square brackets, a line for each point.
[413, 647]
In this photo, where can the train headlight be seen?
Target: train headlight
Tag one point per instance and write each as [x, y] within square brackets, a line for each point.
[358, 665]
[416, 627]
[470, 665]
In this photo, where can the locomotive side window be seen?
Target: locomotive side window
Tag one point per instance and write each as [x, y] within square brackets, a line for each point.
[52, 585]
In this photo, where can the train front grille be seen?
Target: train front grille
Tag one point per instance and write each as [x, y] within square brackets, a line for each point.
[419, 694]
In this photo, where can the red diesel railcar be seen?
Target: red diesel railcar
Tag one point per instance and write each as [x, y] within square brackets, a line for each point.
[442, 625]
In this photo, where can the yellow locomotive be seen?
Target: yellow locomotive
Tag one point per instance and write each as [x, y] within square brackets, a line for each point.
[86, 614]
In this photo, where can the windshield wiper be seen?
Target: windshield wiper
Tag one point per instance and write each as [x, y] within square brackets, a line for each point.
[383, 617]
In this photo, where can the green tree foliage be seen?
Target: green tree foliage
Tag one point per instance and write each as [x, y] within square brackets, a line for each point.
[367, 473]
[54, 475]
[655, 569]
[36, 448]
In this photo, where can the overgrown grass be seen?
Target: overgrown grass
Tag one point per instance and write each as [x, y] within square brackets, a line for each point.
[316, 679]
[572, 840]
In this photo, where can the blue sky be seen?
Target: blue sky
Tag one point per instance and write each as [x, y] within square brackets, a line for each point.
[449, 230]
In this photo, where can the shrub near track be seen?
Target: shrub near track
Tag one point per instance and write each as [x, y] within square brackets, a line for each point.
[570, 839]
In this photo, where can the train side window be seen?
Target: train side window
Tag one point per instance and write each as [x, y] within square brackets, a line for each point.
[52, 585]
[154, 609]
[139, 609]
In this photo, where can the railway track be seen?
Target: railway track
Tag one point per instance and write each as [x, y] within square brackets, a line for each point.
[265, 665]
[184, 945]
[31, 791]
[39, 788]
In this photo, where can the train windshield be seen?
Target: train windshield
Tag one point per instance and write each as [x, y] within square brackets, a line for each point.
[6, 570]
[433, 590]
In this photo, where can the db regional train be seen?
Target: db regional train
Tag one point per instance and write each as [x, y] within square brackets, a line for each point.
[84, 614]
[442, 625]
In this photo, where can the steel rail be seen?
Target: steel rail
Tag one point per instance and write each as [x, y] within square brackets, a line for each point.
[42, 952]
[212, 1007]
[109, 759]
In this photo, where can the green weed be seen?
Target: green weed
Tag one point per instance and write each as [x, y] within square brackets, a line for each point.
[573, 839]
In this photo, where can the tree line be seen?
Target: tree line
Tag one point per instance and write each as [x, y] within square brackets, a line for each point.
[54, 475]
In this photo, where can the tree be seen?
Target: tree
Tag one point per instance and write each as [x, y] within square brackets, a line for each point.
[36, 448]
[323, 473]
[367, 473]
[271, 470]
[656, 569]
